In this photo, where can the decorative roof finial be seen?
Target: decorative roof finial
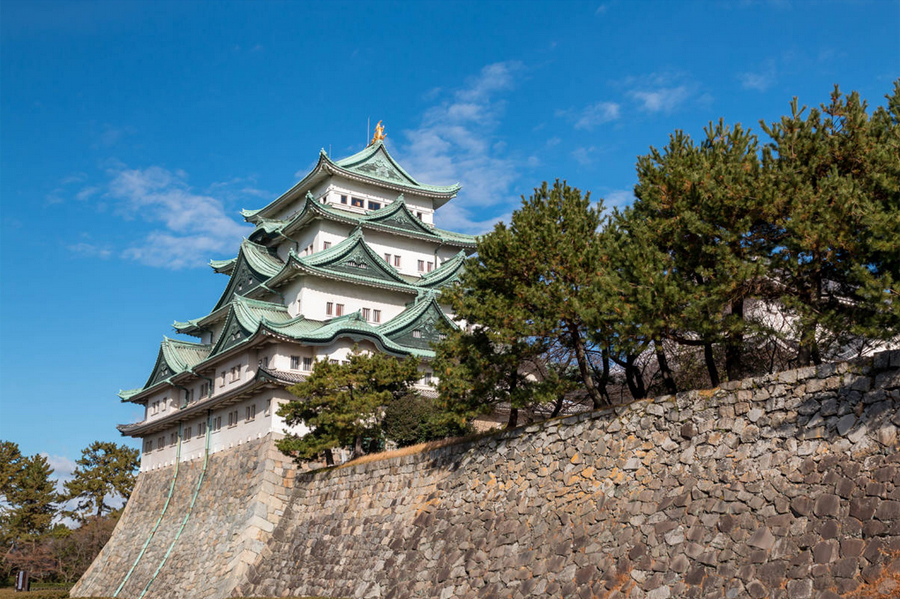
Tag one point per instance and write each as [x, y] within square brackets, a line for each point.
[379, 133]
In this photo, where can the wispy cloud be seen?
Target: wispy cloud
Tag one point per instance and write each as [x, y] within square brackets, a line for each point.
[584, 155]
[63, 468]
[456, 142]
[761, 79]
[90, 250]
[660, 92]
[618, 198]
[593, 115]
[192, 226]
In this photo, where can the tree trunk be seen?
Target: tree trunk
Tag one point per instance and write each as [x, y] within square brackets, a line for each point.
[586, 373]
[604, 376]
[513, 417]
[664, 370]
[711, 364]
[557, 407]
[734, 347]
[357, 446]
[633, 378]
[329, 457]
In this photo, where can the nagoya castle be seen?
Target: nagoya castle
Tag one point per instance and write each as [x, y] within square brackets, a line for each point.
[348, 257]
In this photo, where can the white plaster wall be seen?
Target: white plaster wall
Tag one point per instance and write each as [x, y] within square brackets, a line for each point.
[193, 447]
[316, 292]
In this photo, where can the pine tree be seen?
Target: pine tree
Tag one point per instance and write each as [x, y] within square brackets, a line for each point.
[104, 469]
[342, 403]
[702, 221]
[32, 499]
[534, 283]
[832, 176]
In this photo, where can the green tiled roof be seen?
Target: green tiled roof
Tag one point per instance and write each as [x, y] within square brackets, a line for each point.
[418, 325]
[174, 357]
[374, 165]
[446, 273]
[393, 218]
[253, 266]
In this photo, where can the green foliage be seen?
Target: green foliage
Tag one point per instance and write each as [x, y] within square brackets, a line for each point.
[104, 469]
[32, 499]
[832, 175]
[696, 239]
[412, 419]
[342, 403]
[531, 293]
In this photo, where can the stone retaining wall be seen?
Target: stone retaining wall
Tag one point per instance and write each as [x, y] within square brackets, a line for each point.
[783, 486]
[241, 498]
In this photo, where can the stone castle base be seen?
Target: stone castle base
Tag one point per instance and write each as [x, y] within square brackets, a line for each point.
[786, 485]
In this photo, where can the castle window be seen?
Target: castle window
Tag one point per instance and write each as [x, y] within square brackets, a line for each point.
[397, 261]
[204, 390]
[430, 266]
[326, 245]
[295, 362]
[161, 442]
[427, 378]
[374, 205]
[343, 199]
[250, 413]
[187, 433]
[417, 334]
[387, 258]
[421, 266]
[216, 423]
[419, 215]
[233, 418]
[165, 403]
[264, 362]
[173, 438]
[148, 445]
[201, 429]
[332, 361]
[329, 308]
[339, 310]
[222, 383]
[307, 364]
[268, 406]
[365, 313]
[376, 315]
[357, 202]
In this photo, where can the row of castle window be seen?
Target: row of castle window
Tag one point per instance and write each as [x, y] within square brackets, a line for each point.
[360, 203]
[368, 314]
[215, 424]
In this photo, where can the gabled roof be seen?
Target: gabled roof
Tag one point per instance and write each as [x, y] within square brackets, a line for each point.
[373, 165]
[419, 325]
[445, 274]
[174, 358]
[375, 162]
[351, 260]
[394, 218]
[253, 266]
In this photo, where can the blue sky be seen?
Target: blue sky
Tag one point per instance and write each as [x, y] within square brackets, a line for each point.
[131, 134]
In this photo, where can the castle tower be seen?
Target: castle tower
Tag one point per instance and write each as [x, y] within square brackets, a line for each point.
[349, 256]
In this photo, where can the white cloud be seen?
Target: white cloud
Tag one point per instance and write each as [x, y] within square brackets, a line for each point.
[456, 142]
[90, 250]
[661, 92]
[601, 9]
[665, 99]
[760, 80]
[584, 156]
[86, 193]
[618, 198]
[195, 227]
[597, 114]
[63, 468]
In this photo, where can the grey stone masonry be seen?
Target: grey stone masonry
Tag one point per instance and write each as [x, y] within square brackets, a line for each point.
[783, 486]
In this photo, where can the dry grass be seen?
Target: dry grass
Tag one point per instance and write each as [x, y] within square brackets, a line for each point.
[414, 449]
[886, 586]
